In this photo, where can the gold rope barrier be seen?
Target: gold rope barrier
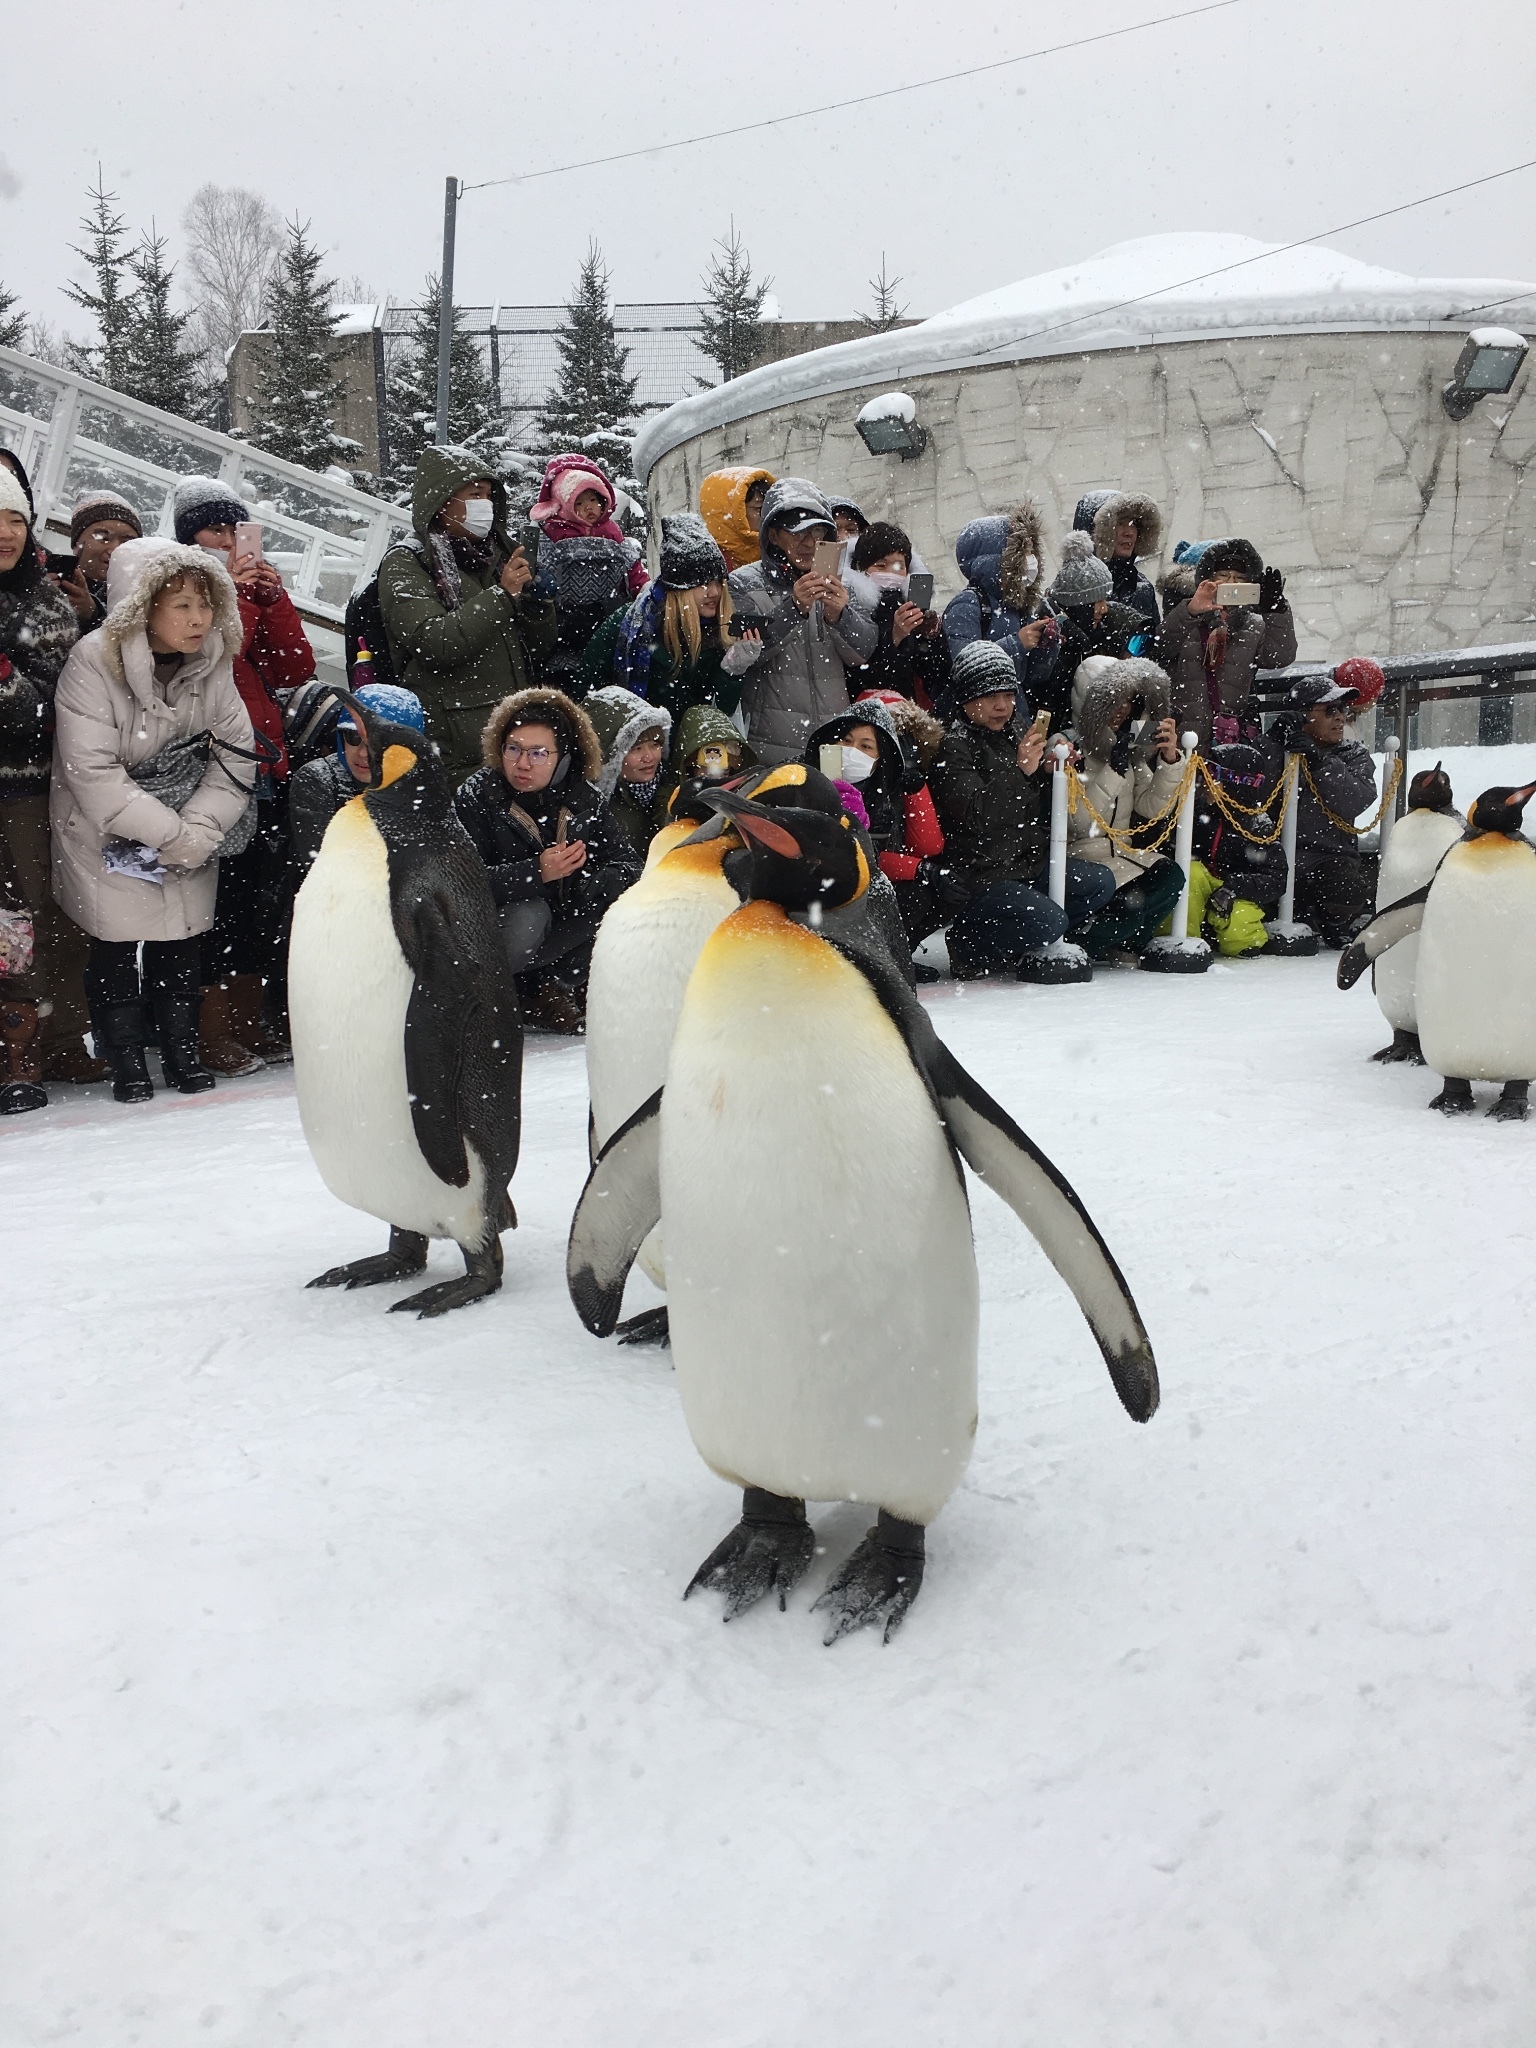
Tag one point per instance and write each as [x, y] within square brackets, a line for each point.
[1343, 824]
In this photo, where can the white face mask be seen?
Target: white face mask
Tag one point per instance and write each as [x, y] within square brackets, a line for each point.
[857, 765]
[888, 579]
[1031, 568]
[479, 517]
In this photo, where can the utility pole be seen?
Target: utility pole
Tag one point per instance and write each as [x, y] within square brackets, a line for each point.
[445, 310]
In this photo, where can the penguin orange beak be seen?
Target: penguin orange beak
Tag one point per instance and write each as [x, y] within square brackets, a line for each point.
[754, 821]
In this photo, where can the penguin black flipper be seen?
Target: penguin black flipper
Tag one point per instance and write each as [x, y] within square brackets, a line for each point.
[998, 1152]
[463, 1038]
[1386, 929]
[619, 1208]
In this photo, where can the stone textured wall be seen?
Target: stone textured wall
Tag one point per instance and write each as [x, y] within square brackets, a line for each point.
[1398, 530]
[357, 362]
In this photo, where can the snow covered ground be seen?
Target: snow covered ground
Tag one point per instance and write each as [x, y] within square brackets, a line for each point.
[352, 1703]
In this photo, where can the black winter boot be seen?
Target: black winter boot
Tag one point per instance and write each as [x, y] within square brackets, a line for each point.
[176, 1018]
[119, 1029]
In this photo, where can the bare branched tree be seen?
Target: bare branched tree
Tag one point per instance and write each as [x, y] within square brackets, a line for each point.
[234, 238]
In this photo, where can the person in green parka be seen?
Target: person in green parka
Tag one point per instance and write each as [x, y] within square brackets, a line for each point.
[674, 644]
[635, 737]
[464, 630]
[705, 743]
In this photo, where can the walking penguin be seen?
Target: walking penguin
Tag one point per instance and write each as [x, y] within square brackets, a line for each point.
[1475, 983]
[804, 1159]
[407, 1041]
[1429, 829]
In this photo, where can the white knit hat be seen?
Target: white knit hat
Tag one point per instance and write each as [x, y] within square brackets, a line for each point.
[12, 497]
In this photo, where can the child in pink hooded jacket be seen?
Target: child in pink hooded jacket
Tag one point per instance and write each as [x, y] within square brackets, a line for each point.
[586, 564]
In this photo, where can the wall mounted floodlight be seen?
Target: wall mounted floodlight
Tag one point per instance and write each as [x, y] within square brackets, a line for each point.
[888, 425]
[1486, 367]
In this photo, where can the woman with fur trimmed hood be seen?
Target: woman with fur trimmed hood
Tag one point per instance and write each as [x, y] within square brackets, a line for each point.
[554, 855]
[1002, 561]
[161, 669]
[1124, 525]
[1132, 768]
[634, 737]
[1211, 651]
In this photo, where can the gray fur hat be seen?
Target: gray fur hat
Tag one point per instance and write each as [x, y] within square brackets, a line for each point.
[1117, 685]
[1082, 577]
[1114, 510]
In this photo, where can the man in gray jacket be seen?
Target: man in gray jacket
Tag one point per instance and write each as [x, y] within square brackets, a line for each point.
[812, 632]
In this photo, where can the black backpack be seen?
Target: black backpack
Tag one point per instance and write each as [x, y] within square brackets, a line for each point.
[364, 627]
[1257, 872]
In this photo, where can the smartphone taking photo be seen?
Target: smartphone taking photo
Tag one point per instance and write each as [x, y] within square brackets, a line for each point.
[920, 590]
[1237, 593]
[247, 549]
[829, 558]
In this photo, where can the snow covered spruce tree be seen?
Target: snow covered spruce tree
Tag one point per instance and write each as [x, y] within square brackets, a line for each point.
[109, 298]
[592, 408]
[160, 367]
[296, 394]
[731, 333]
[13, 323]
[474, 404]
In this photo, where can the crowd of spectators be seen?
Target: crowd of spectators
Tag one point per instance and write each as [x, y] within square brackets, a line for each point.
[169, 763]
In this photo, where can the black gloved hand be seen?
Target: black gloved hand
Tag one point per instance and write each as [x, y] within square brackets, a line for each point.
[1286, 730]
[1219, 902]
[951, 889]
[1271, 591]
[1120, 752]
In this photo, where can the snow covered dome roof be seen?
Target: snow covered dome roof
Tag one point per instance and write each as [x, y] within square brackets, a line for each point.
[1159, 288]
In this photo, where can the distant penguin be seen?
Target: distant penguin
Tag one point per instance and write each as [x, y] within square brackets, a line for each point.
[1429, 829]
[804, 1156]
[1475, 984]
[407, 1042]
[645, 950]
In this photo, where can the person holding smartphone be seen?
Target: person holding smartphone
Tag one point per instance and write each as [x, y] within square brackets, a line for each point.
[1235, 622]
[813, 636]
[913, 656]
[98, 526]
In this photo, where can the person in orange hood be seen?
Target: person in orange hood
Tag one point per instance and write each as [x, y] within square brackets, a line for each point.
[731, 505]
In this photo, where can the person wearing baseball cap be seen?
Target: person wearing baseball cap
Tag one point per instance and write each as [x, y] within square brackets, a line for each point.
[1335, 883]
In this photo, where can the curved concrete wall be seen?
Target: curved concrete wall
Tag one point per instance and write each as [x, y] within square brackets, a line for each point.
[1398, 530]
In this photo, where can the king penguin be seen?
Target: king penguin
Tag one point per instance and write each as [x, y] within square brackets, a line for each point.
[1429, 829]
[407, 1041]
[644, 953]
[804, 1155]
[1475, 982]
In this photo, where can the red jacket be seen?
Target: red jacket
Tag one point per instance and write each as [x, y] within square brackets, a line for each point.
[921, 835]
[274, 655]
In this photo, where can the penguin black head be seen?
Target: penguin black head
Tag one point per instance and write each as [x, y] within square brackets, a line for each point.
[407, 768]
[1500, 810]
[804, 848]
[1430, 790]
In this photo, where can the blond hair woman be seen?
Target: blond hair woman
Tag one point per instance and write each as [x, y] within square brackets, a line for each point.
[675, 645]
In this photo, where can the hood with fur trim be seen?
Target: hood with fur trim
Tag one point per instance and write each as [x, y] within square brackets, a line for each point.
[1114, 686]
[576, 733]
[1114, 511]
[137, 573]
[993, 554]
[619, 718]
[723, 508]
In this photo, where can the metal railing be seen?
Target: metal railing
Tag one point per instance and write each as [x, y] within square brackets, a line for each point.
[1455, 676]
[73, 435]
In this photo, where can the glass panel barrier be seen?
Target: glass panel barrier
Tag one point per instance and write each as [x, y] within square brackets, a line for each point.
[105, 424]
[24, 391]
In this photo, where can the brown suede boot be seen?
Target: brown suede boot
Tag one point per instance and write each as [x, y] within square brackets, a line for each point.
[21, 1070]
[67, 1060]
[219, 1046]
[250, 1028]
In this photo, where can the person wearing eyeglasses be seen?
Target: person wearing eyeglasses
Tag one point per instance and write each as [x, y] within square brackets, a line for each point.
[99, 524]
[554, 854]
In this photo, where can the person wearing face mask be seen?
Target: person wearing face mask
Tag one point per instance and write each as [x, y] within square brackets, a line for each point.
[1001, 560]
[676, 644]
[635, 737]
[870, 757]
[554, 855]
[464, 628]
[913, 655]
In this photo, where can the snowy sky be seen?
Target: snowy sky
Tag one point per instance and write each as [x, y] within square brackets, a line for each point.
[1275, 118]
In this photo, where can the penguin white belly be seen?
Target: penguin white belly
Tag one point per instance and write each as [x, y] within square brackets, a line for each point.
[646, 949]
[348, 991]
[1415, 849]
[821, 1280]
[1475, 989]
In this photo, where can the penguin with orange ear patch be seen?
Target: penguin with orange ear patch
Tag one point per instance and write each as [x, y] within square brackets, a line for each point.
[407, 1038]
[804, 1158]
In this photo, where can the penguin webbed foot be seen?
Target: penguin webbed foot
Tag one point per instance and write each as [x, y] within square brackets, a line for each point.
[878, 1583]
[1454, 1099]
[1512, 1106]
[1403, 1051]
[649, 1327]
[768, 1551]
[407, 1255]
[481, 1276]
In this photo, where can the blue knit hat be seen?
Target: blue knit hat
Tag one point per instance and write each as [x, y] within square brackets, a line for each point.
[385, 700]
[1188, 552]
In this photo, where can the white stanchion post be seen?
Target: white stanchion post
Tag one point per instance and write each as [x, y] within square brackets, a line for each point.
[1184, 840]
[1056, 887]
[1389, 811]
[1285, 934]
